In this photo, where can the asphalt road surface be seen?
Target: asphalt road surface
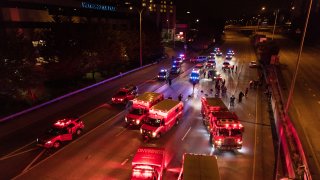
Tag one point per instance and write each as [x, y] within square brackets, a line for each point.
[106, 149]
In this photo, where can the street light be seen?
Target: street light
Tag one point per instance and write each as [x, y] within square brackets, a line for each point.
[262, 9]
[140, 32]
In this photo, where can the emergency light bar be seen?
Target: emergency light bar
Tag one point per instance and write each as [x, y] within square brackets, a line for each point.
[62, 122]
[142, 103]
[158, 112]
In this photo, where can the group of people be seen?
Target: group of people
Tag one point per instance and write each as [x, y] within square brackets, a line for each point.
[220, 87]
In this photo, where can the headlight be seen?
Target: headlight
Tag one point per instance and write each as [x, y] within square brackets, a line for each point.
[219, 142]
[137, 121]
[126, 119]
[48, 142]
[141, 130]
[154, 134]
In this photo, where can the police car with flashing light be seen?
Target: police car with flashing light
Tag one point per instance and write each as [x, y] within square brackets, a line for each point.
[175, 69]
[163, 74]
[195, 75]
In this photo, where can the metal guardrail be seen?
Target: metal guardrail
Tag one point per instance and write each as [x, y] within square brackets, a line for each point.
[70, 94]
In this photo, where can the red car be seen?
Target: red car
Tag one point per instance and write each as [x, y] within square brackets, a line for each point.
[125, 94]
[62, 130]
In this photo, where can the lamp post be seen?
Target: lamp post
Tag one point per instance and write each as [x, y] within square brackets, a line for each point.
[168, 37]
[293, 82]
[262, 9]
[140, 34]
[275, 22]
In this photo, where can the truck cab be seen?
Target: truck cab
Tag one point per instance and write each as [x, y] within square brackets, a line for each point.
[140, 108]
[148, 163]
[226, 131]
[162, 117]
[199, 166]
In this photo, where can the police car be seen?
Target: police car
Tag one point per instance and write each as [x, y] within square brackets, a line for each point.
[175, 69]
[163, 74]
[195, 75]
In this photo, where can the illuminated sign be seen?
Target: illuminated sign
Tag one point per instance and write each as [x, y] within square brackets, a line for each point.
[97, 6]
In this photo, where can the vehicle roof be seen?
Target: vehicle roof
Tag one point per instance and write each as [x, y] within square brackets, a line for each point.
[149, 155]
[165, 105]
[148, 96]
[212, 101]
[225, 115]
[200, 167]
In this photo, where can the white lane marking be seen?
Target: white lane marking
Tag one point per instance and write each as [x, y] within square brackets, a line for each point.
[18, 149]
[125, 161]
[255, 140]
[17, 154]
[76, 140]
[92, 110]
[34, 160]
[186, 134]
[121, 132]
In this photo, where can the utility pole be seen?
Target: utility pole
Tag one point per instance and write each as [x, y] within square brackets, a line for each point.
[275, 22]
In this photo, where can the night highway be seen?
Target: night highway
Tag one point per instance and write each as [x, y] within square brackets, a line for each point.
[106, 149]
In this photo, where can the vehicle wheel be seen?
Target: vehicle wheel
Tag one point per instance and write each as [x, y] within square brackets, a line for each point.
[78, 132]
[56, 144]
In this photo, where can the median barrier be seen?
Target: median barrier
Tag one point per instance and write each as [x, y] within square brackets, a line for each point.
[70, 94]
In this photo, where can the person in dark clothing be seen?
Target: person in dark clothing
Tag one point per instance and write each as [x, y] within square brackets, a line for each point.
[246, 92]
[240, 96]
[180, 97]
[169, 81]
[232, 99]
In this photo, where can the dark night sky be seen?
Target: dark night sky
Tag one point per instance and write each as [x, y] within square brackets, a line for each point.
[208, 9]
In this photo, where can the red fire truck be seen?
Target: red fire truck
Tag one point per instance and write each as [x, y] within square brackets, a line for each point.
[161, 118]
[62, 130]
[140, 107]
[148, 163]
[225, 131]
[209, 105]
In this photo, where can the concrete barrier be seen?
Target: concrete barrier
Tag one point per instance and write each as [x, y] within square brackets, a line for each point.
[69, 94]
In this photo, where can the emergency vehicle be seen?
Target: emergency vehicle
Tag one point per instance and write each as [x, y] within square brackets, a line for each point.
[161, 118]
[148, 163]
[195, 75]
[163, 74]
[140, 107]
[62, 130]
[198, 166]
[125, 94]
[209, 105]
[225, 131]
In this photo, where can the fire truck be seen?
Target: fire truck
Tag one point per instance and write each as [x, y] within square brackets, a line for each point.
[125, 94]
[225, 131]
[161, 118]
[209, 105]
[148, 163]
[140, 107]
[62, 130]
[198, 166]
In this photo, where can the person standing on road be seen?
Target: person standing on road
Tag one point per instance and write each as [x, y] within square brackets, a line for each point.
[240, 96]
[232, 99]
[169, 81]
